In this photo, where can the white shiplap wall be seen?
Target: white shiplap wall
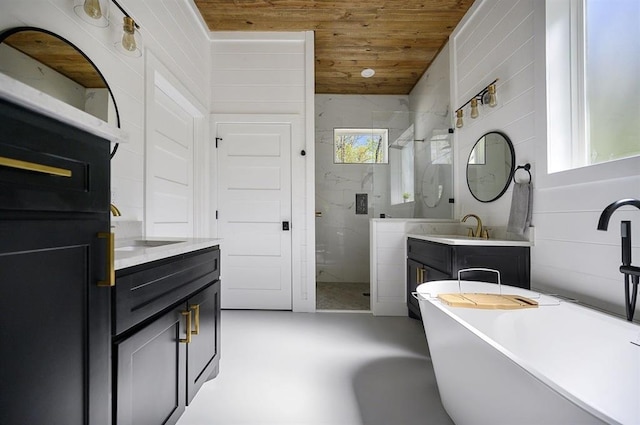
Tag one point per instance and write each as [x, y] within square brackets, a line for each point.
[272, 74]
[168, 30]
[259, 72]
[495, 40]
[506, 39]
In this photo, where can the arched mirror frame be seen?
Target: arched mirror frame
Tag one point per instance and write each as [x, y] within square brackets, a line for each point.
[11, 31]
[512, 155]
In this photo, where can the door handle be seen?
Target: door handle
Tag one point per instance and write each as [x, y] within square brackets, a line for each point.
[187, 314]
[33, 166]
[285, 226]
[196, 309]
[110, 259]
[420, 272]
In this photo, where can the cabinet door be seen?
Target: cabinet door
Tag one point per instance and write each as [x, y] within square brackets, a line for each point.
[54, 323]
[151, 372]
[203, 352]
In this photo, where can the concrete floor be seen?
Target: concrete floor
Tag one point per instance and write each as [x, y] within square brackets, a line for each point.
[281, 368]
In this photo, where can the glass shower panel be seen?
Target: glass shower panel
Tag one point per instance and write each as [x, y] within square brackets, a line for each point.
[418, 180]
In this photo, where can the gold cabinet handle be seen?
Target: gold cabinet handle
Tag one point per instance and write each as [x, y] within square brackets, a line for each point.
[420, 275]
[196, 310]
[111, 258]
[33, 166]
[187, 314]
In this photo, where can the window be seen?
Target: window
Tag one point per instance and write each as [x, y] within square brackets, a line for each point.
[478, 154]
[360, 145]
[593, 89]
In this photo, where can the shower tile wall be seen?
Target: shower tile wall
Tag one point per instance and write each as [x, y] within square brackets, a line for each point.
[342, 237]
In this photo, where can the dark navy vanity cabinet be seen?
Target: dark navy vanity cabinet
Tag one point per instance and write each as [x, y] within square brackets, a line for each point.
[166, 335]
[80, 342]
[55, 343]
[430, 261]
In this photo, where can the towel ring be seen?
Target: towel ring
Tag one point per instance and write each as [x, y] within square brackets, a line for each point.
[526, 167]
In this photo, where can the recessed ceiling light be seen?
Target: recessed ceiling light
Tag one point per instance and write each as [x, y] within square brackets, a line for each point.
[367, 73]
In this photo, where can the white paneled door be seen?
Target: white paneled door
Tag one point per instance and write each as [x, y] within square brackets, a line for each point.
[254, 198]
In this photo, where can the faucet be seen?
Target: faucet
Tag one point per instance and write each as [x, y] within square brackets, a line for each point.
[114, 210]
[478, 233]
[629, 271]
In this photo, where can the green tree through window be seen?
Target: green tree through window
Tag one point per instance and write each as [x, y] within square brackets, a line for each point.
[360, 146]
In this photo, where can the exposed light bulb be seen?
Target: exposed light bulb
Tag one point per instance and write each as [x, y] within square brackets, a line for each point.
[492, 96]
[92, 9]
[459, 122]
[128, 39]
[93, 12]
[474, 108]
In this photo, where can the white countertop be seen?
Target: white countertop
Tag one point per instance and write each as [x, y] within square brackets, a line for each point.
[135, 255]
[35, 100]
[466, 240]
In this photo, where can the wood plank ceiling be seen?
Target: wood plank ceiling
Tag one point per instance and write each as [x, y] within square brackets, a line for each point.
[397, 38]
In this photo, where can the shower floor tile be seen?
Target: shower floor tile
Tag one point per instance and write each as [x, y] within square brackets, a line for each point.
[342, 296]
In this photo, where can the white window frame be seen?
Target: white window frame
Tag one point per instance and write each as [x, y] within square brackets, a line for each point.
[557, 141]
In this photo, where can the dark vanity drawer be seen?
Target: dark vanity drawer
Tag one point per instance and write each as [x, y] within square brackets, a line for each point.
[434, 254]
[146, 290]
[46, 165]
[512, 262]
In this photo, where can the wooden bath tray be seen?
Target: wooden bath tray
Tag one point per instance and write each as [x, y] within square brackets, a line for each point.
[488, 301]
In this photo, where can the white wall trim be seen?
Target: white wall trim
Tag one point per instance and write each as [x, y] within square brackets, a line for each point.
[261, 35]
[199, 19]
[308, 295]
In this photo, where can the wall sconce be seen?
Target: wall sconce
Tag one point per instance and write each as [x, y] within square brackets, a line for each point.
[486, 96]
[96, 12]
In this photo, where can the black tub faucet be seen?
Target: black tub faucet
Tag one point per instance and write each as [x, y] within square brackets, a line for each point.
[629, 271]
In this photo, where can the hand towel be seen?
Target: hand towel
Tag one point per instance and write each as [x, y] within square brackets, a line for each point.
[521, 206]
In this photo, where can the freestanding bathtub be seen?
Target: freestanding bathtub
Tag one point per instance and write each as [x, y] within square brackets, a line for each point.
[559, 363]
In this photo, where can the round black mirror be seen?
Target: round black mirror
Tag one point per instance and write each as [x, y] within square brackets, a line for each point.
[490, 166]
[55, 66]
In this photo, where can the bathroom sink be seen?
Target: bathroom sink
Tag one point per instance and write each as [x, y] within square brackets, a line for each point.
[144, 243]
